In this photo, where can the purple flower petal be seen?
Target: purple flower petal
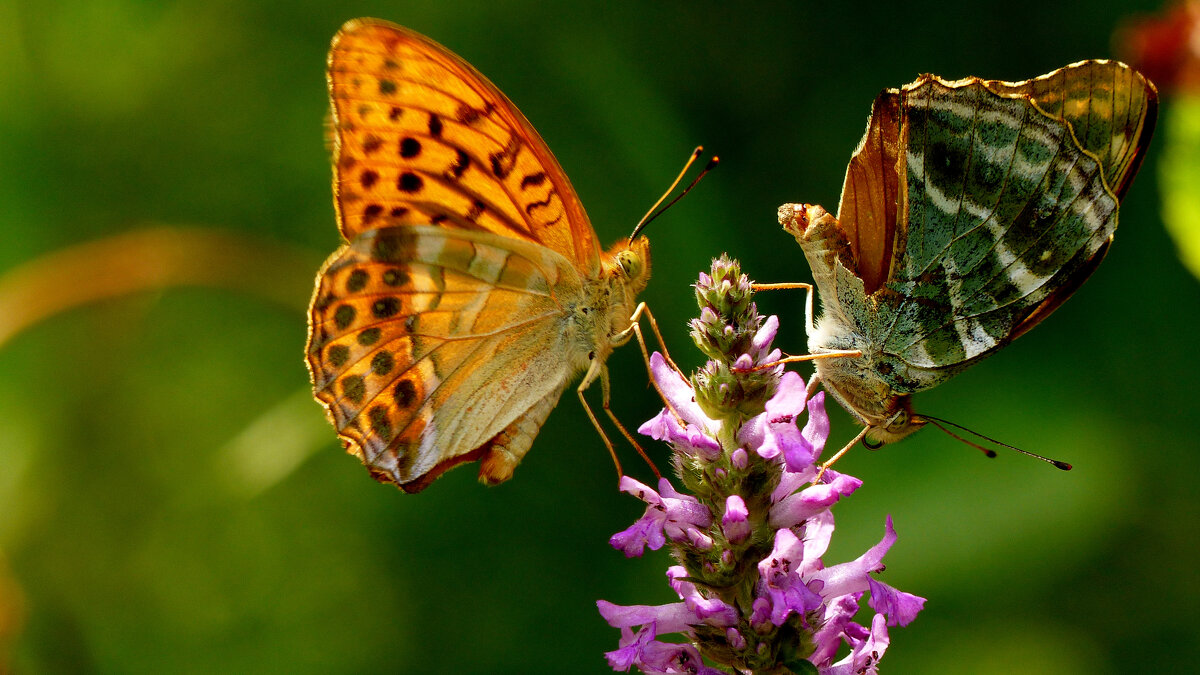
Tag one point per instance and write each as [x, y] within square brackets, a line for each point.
[788, 403]
[734, 523]
[780, 582]
[669, 514]
[828, 638]
[670, 618]
[796, 508]
[865, 654]
[766, 334]
[760, 615]
[739, 459]
[851, 577]
[633, 540]
[712, 611]
[699, 540]
[647, 530]
[650, 655]
[816, 429]
[687, 439]
[818, 532]
[629, 649]
[735, 639]
[792, 481]
[687, 660]
[682, 510]
[900, 607]
[789, 398]
[679, 394]
[774, 432]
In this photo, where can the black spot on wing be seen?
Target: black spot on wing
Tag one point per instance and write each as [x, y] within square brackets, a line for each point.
[533, 180]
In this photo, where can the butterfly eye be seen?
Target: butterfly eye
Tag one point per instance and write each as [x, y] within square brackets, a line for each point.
[871, 443]
[898, 421]
[630, 263]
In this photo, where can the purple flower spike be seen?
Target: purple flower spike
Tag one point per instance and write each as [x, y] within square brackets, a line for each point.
[741, 448]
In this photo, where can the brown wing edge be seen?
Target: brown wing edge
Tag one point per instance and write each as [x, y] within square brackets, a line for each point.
[870, 205]
[1150, 121]
[1060, 295]
[1018, 89]
[583, 235]
[433, 474]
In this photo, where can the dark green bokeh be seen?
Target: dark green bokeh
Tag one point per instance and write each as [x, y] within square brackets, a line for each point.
[143, 541]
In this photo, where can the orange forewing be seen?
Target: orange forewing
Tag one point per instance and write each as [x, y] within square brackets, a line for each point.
[421, 136]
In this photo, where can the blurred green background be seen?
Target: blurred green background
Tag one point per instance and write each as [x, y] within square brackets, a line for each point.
[172, 500]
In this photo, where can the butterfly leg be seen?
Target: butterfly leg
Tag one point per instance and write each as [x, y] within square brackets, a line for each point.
[808, 316]
[597, 369]
[605, 391]
[838, 354]
[808, 301]
[635, 328]
[833, 460]
[812, 386]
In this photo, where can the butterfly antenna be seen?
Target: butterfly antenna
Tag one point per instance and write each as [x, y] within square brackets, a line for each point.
[687, 165]
[938, 422]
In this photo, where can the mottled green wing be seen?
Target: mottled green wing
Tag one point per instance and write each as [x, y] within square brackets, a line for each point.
[1007, 204]
[1111, 109]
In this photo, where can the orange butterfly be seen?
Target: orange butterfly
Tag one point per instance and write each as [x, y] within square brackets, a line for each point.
[472, 287]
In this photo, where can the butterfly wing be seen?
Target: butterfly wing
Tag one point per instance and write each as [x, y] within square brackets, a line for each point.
[421, 137]
[1111, 108]
[867, 212]
[1007, 202]
[427, 342]
[437, 334]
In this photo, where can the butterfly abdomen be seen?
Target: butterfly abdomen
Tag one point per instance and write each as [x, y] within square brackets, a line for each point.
[504, 452]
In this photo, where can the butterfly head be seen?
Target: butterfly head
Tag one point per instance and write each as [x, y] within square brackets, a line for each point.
[861, 384]
[901, 423]
[631, 264]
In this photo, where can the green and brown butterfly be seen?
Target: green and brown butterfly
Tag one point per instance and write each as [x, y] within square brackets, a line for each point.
[971, 210]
